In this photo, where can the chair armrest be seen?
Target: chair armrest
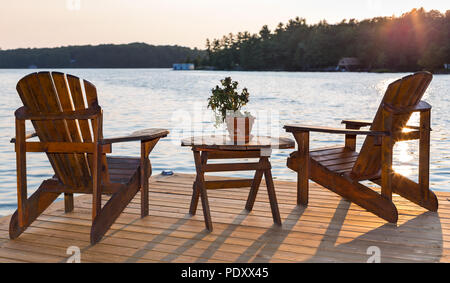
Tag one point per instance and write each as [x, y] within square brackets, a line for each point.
[302, 128]
[28, 135]
[363, 123]
[143, 135]
[357, 123]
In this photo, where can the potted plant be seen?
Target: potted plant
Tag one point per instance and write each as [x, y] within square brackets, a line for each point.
[227, 103]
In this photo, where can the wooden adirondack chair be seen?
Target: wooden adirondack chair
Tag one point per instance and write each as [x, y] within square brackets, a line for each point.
[71, 135]
[341, 169]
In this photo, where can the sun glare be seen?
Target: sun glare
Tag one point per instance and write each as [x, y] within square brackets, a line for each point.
[404, 154]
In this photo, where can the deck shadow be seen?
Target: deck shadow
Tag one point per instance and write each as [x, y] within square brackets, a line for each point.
[420, 247]
[220, 240]
[266, 245]
[159, 238]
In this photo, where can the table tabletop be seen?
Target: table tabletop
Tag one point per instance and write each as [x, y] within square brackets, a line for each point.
[224, 142]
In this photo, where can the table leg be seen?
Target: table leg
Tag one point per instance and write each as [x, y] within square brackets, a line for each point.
[201, 188]
[255, 186]
[195, 197]
[195, 190]
[271, 193]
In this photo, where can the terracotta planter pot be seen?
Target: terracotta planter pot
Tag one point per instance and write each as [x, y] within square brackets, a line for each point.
[239, 128]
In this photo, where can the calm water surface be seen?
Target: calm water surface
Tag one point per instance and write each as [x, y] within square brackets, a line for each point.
[138, 99]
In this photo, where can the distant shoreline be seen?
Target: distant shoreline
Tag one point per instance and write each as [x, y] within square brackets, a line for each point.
[204, 70]
[133, 55]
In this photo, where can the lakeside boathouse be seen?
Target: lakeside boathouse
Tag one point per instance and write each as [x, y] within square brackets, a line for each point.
[183, 67]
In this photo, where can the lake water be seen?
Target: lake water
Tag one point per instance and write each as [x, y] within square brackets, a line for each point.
[137, 99]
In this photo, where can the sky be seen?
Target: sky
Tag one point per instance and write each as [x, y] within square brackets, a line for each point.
[52, 23]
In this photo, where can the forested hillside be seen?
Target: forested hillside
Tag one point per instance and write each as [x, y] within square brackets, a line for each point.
[416, 40]
[134, 55]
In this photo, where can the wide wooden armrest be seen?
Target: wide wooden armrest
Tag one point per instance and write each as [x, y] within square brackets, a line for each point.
[143, 135]
[357, 123]
[303, 128]
[28, 135]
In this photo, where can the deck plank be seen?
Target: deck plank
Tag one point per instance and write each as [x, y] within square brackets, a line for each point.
[330, 229]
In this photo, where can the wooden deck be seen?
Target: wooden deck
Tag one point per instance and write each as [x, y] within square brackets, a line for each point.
[329, 230]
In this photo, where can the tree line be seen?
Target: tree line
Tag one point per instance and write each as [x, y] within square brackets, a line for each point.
[414, 41]
[134, 55]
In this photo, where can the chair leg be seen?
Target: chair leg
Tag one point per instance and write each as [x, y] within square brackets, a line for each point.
[302, 139]
[35, 205]
[21, 172]
[112, 209]
[146, 172]
[387, 145]
[424, 155]
[412, 192]
[354, 192]
[68, 202]
[386, 170]
[108, 214]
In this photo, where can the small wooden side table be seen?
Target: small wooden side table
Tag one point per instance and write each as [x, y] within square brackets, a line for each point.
[222, 147]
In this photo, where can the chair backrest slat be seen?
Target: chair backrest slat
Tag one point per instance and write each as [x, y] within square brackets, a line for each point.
[72, 128]
[92, 100]
[405, 92]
